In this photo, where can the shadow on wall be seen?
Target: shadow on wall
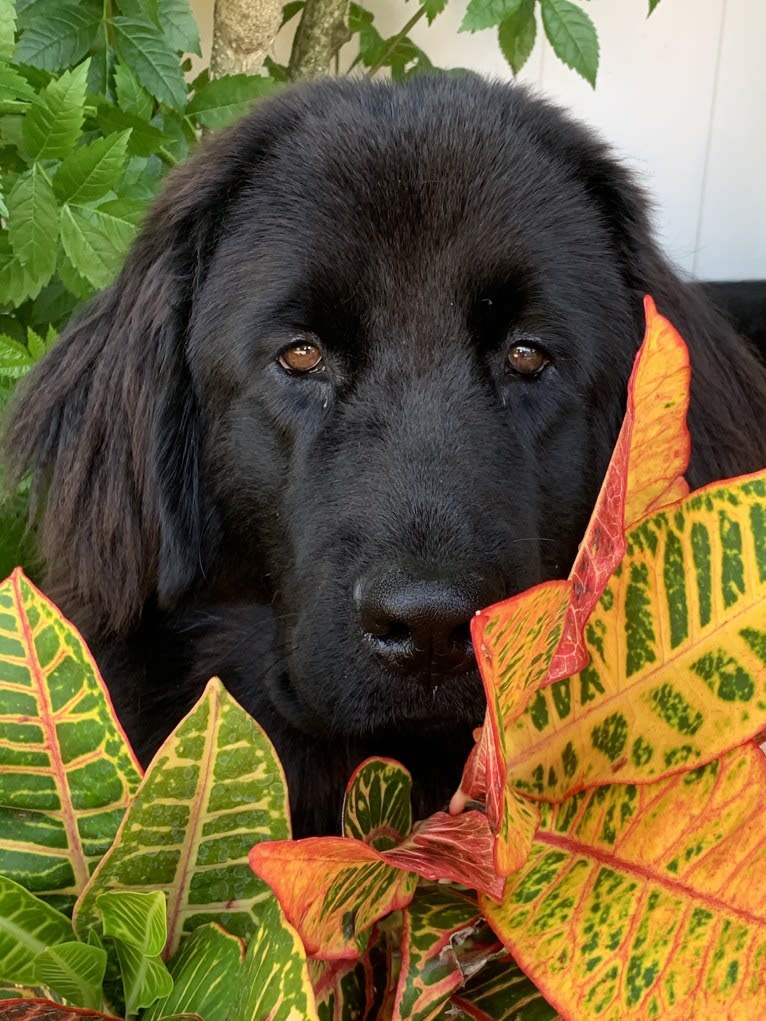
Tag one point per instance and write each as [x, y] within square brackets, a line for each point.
[744, 304]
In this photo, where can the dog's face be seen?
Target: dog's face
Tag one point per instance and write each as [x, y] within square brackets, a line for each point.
[410, 348]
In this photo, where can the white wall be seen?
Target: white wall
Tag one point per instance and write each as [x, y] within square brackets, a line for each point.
[681, 96]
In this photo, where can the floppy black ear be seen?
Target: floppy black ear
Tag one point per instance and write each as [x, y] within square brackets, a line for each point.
[728, 396]
[109, 424]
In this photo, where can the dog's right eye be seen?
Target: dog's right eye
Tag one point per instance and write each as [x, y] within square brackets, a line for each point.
[301, 358]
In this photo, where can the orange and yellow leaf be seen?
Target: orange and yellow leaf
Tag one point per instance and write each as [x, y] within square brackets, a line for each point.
[643, 902]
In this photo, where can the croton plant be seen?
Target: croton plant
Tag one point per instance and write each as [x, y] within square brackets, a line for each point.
[604, 857]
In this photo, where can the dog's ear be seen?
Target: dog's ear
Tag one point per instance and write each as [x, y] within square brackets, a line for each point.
[109, 425]
[728, 393]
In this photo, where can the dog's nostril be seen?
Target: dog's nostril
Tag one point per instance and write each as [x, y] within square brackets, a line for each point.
[421, 626]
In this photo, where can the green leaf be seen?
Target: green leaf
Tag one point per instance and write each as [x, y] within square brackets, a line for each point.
[145, 139]
[487, 13]
[213, 790]
[289, 10]
[60, 38]
[74, 971]
[7, 29]
[16, 282]
[66, 771]
[15, 359]
[131, 96]
[206, 971]
[377, 806]
[573, 36]
[27, 926]
[95, 242]
[144, 979]
[137, 918]
[14, 85]
[502, 992]
[274, 984]
[517, 35]
[223, 100]
[143, 47]
[179, 26]
[53, 124]
[33, 224]
[432, 8]
[653, 4]
[92, 170]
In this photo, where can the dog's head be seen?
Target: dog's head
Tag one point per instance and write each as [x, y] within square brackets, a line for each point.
[365, 363]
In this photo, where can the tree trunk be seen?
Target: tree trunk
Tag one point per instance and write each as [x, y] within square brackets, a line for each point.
[321, 33]
[243, 31]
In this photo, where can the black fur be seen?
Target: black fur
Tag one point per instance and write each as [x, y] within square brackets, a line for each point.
[202, 511]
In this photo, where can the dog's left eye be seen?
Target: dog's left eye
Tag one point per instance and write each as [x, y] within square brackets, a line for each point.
[301, 357]
[526, 359]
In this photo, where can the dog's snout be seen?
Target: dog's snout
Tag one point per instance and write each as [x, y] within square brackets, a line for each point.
[421, 625]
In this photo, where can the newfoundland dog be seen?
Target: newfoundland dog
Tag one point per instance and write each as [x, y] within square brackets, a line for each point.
[360, 376]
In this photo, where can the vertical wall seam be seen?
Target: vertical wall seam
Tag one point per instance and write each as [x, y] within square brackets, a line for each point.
[709, 141]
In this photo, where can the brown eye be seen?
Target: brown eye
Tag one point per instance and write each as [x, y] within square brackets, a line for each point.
[526, 359]
[301, 358]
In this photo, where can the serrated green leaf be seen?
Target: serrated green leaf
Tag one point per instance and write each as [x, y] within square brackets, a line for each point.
[224, 99]
[433, 8]
[137, 918]
[15, 359]
[59, 38]
[16, 282]
[179, 26]
[7, 29]
[145, 50]
[213, 790]
[36, 345]
[92, 170]
[377, 807]
[274, 983]
[76, 285]
[33, 224]
[144, 979]
[95, 241]
[517, 35]
[206, 972]
[66, 771]
[145, 139]
[27, 926]
[573, 36]
[132, 97]
[487, 13]
[74, 971]
[52, 126]
[14, 85]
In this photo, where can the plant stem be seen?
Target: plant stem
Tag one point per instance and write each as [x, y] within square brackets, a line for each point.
[394, 41]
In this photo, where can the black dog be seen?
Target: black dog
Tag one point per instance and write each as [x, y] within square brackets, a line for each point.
[360, 376]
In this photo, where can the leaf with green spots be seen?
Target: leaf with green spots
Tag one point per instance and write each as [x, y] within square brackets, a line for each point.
[274, 983]
[332, 889]
[36, 1009]
[377, 806]
[206, 969]
[647, 901]
[74, 971]
[67, 772]
[677, 672]
[502, 992]
[213, 790]
[444, 940]
[28, 926]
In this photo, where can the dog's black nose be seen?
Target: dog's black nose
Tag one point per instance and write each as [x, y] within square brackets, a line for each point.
[420, 625]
